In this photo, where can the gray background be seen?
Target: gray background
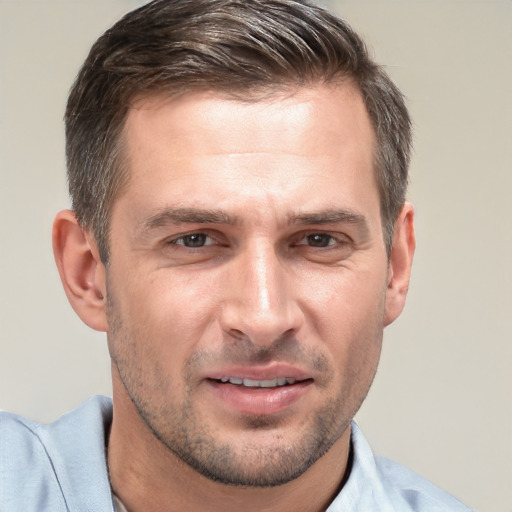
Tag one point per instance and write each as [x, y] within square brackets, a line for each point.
[442, 400]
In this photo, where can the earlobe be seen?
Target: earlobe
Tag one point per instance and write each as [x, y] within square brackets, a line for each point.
[400, 262]
[82, 273]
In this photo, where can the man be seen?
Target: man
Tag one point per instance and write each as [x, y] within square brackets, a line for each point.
[239, 230]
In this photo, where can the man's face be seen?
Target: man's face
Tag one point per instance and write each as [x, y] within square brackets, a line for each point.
[248, 277]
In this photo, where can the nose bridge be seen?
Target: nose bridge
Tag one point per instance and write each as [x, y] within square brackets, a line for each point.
[261, 305]
[263, 280]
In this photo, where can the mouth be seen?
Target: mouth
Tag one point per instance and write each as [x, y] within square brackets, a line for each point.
[277, 382]
[247, 393]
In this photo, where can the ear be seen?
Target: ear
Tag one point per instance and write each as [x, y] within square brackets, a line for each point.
[400, 261]
[82, 273]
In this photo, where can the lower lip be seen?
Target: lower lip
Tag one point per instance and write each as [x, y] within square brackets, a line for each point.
[259, 401]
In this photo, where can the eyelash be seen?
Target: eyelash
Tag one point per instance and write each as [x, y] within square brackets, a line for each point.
[331, 241]
[200, 236]
[323, 239]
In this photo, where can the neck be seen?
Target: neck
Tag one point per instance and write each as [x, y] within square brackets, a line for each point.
[146, 475]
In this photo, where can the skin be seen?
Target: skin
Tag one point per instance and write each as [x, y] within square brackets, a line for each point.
[248, 243]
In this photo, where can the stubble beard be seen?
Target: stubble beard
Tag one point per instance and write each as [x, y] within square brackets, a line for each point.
[248, 466]
[186, 435]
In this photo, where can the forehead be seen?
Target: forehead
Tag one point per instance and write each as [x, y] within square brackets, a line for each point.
[334, 110]
[311, 135]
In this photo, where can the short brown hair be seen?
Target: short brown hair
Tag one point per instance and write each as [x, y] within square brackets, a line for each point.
[240, 47]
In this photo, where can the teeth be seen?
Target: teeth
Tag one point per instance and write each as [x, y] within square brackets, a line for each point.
[260, 383]
[270, 383]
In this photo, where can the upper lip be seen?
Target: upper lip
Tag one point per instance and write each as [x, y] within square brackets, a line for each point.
[258, 372]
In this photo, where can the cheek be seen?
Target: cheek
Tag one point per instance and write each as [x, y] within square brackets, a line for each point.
[348, 313]
[165, 314]
[344, 300]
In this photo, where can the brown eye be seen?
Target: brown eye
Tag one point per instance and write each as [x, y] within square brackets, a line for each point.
[319, 240]
[194, 240]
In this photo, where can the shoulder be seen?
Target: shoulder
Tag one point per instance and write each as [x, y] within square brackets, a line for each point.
[377, 483]
[22, 447]
[406, 488]
[41, 464]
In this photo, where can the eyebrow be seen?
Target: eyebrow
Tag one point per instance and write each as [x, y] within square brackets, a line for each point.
[187, 216]
[173, 215]
[331, 216]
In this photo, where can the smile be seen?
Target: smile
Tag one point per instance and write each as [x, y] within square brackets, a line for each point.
[259, 391]
[250, 383]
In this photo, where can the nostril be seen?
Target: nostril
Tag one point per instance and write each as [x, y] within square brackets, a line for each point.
[237, 334]
[244, 322]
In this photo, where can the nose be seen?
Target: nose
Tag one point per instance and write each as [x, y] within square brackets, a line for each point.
[260, 303]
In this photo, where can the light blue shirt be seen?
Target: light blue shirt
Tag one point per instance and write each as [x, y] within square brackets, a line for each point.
[62, 467]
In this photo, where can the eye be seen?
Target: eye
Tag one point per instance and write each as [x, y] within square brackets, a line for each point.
[318, 240]
[193, 240]
[326, 248]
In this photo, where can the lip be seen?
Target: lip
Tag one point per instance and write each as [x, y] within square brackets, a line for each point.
[258, 401]
[266, 372]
